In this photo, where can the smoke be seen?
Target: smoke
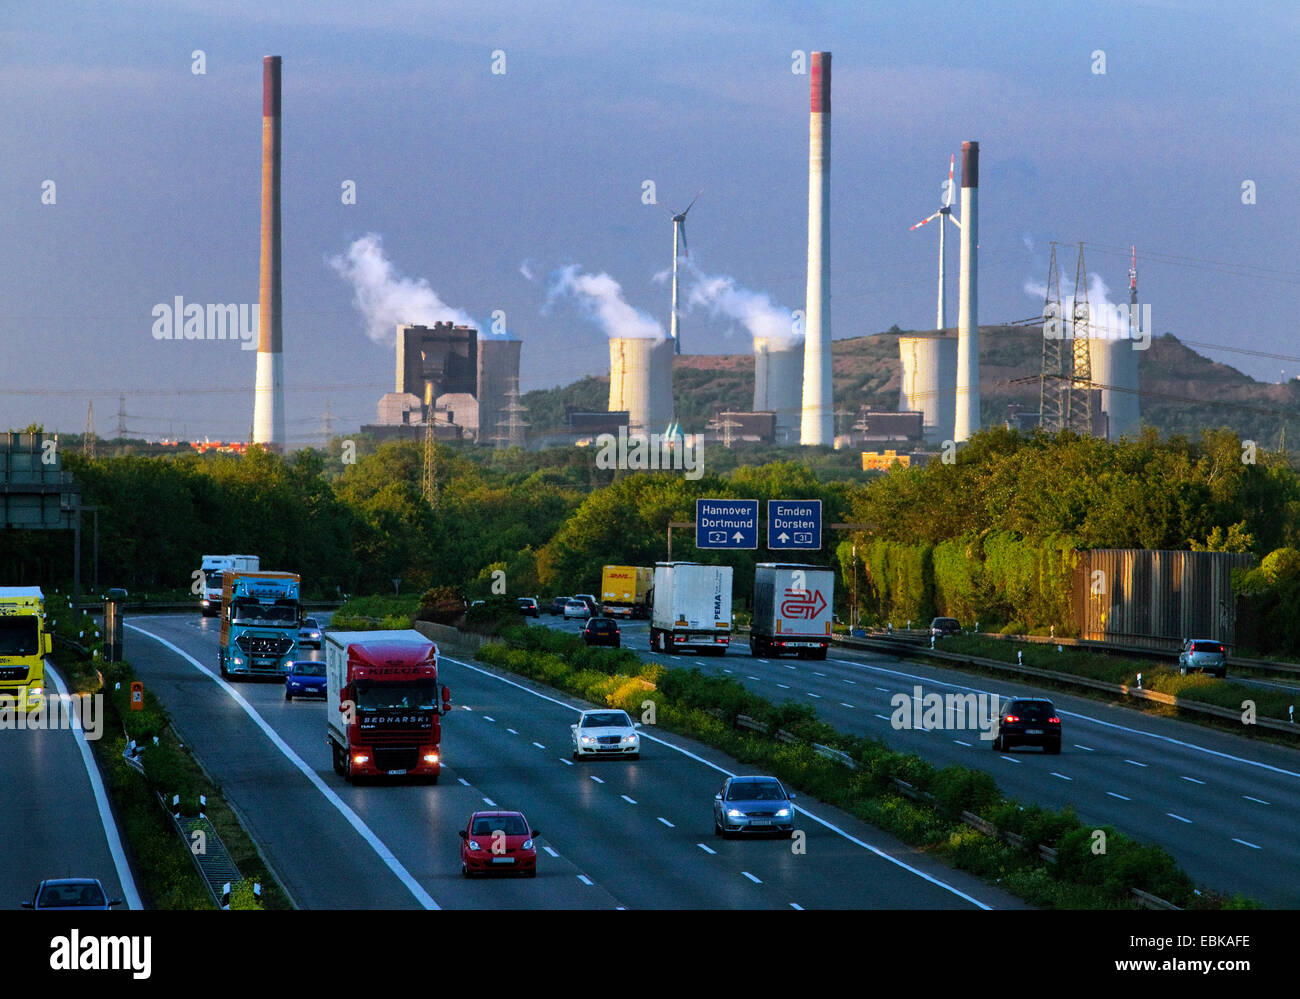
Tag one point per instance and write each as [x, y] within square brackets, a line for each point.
[601, 299]
[1107, 320]
[385, 298]
[754, 310]
[526, 269]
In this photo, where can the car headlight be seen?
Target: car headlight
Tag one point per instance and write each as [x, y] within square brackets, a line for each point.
[588, 740]
[528, 844]
[783, 813]
[629, 738]
[473, 845]
[735, 813]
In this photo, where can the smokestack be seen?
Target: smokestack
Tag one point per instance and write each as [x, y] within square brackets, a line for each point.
[268, 397]
[967, 417]
[818, 423]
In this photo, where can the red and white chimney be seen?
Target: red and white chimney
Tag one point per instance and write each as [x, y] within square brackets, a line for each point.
[268, 396]
[818, 423]
[968, 330]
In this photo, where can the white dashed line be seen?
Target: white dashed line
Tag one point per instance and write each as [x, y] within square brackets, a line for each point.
[854, 682]
[811, 694]
[705, 848]
[1062, 776]
[883, 717]
[1179, 818]
[489, 802]
[630, 801]
[488, 718]
[698, 663]
[567, 763]
[1119, 796]
[784, 686]
[725, 670]
[960, 743]
[788, 666]
[845, 704]
[1259, 801]
[596, 779]
[1191, 780]
[467, 707]
[1135, 763]
[1011, 759]
[463, 781]
[586, 880]
[539, 745]
[815, 673]
[751, 676]
[550, 851]
[1086, 749]
[796, 905]
[751, 877]
[665, 822]
[884, 689]
[1244, 843]
[512, 731]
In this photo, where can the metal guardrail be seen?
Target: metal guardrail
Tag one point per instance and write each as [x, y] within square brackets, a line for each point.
[1124, 689]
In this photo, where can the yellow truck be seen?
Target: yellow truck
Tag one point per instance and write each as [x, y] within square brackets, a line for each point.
[24, 644]
[625, 590]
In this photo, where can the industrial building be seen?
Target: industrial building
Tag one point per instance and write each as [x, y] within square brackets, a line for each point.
[778, 384]
[641, 382]
[929, 383]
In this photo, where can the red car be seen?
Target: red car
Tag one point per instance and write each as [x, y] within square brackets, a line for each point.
[498, 841]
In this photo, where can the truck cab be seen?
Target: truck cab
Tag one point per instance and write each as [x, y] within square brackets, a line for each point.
[24, 644]
[260, 616]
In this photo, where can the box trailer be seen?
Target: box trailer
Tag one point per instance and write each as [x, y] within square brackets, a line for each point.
[625, 590]
[691, 607]
[793, 610]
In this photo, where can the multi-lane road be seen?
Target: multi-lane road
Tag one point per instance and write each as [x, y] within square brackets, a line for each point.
[1224, 805]
[615, 833]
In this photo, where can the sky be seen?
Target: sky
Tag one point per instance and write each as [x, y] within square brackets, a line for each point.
[501, 195]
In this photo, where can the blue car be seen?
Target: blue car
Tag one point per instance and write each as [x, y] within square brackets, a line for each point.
[305, 678]
[70, 895]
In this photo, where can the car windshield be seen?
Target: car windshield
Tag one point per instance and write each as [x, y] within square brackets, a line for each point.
[1030, 709]
[55, 896]
[607, 719]
[511, 825]
[265, 614]
[309, 622]
[396, 696]
[18, 636]
[309, 669]
[754, 790]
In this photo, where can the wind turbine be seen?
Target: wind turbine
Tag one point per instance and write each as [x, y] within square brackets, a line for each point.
[944, 212]
[679, 230]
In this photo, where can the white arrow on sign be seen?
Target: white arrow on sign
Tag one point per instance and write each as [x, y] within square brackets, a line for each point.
[783, 537]
[738, 537]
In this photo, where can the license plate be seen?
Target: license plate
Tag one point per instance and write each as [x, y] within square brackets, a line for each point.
[1033, 731]
[760, 822]
[396, 773]
[503, 860]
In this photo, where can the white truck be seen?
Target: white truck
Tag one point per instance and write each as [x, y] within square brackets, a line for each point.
[690, 607]
[792, 610]
[212, 573]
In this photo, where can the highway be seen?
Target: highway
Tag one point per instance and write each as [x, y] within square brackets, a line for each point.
[1223, 805]
[615, 833]
[56, 821]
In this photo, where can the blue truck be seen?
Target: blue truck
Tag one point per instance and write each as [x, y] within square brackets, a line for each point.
[260, 615]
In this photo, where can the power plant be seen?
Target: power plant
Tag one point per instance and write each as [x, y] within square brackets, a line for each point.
[818, 417]
[967, 413]
[268, 396]
[778, 380]
[929, 365]
[641, 382]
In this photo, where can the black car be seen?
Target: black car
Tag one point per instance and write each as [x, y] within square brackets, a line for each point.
[528, 607]
[556, 607]
[945, 626]
[602, 631]
[1028, 721]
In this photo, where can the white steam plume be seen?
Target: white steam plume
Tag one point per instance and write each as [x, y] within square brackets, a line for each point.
[755, 310]
[601, 298]
[1107, 320]
[385, 298]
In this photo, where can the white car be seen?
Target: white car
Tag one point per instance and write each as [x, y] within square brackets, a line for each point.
[605, 732]
[576, 608]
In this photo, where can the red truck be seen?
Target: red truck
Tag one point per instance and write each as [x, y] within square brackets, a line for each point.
[384, 706]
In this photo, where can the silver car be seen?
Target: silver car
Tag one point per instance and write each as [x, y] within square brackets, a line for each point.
[1203, 655]
[605, 732]
[752, 805]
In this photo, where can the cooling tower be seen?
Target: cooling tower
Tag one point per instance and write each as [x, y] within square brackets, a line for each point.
[1114, 363]
[641, 382]
[817, 424]
[929, 366]
[268, 395]
[498, 375]
[967, 415]
[778, 383]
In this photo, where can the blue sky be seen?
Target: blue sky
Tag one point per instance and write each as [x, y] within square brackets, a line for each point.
[465, 174]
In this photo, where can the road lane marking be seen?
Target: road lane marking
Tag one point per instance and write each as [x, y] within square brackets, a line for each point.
[853, 682]
[665, 822]
[1244, 843]
[1179, 818]
[125, 879]
[796, 905]
[586, 880]
[960, 743]
[1192, 780]
[567, 763]
[1121, 797]
[1135, 763]
[815, 673]
[630, 801]
[551, 852]
[788, 666]
[784, 686]
[845, 704]
[751, 877]
[539, 745]
[883, 717]
[489, 802]
[463, 781]
[1010, 759]
[1062, 776]
[512, 731]
[487, 718]
[725, 772]
[596, 779]
[1258, 800]
[811, 694]
[1086, 749]
[751, 676]
[884, 689]
[353, 819]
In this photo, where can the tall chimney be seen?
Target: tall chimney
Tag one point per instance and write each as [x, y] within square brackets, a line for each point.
[268, 397]
[968, 330]
[818, 423]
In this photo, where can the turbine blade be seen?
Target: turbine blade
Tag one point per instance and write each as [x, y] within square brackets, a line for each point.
[924, 221]
[948, 194]
[686, 250]
[954, 221]
[693, 200]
